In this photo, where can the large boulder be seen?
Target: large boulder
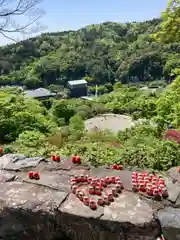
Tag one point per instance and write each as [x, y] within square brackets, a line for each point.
[46, 209]
[170, 222]
[128, 217]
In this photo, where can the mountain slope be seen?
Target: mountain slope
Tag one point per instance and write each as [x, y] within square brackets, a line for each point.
[101, 53]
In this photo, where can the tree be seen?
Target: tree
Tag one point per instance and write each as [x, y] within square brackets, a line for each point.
[10, 11]
[117, 86]
[83, 54]
[61, 109]
[19, 114]
[170, 27]
[167, 106]
[76, 127]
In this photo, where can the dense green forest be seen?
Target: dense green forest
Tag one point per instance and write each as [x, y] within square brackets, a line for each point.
[102, 54]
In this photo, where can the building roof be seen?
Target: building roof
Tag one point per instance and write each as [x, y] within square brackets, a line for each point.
[77, 82]
[86, 98]
[13, 86]
[39, 92]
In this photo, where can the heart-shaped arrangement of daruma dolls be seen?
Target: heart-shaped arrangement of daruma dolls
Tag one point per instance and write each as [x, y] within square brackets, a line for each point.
[150, 185]
[96, 191]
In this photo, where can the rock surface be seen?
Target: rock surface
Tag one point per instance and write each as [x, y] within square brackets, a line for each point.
[46, 209]
[170, 222]
[173, 190]
[173, 173]
[16, 162]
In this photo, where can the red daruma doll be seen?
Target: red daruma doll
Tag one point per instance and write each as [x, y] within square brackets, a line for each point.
[157, 194]
[76, 159]
[135, 187]
[106, 200]
[165, 192]
[1, 151]
[149, 190]
[86, 200]
[31, 175]
[74, 189]
[100, 201]
[92, 205]
[36, 175]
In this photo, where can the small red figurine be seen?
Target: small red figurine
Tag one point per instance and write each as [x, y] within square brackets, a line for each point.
[78, 159]
[114, 166]
[86, 200]
[74, 159]
[36, 175]
[100, 201]
[119, 167]
[92, 205]
[57, 158]
[53, 158]
[1, 150]
[31, 175]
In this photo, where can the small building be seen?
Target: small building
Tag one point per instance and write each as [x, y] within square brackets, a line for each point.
[78, 88]
[39, 93]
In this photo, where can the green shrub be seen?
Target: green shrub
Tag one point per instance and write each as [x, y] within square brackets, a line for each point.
[31, 139]
[76, 127]
[149, 152]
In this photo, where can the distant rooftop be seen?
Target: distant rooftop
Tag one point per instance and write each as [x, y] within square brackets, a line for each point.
[39, 92]
[77, 82]
[13, 86]
[87, 98]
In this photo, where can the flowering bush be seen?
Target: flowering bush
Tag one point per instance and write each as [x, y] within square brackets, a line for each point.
[173, 135]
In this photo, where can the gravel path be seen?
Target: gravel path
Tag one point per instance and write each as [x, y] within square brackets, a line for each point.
[114, 122]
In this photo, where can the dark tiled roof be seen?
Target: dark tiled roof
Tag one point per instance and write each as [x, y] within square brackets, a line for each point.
[40, 92]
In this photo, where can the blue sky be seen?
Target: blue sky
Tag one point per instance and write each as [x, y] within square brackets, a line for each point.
[74, 14]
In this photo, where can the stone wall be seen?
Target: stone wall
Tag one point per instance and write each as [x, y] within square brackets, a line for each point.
[46, 209]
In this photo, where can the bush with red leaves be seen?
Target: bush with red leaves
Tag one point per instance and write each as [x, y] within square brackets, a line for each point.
[116, 144]
[173, 135]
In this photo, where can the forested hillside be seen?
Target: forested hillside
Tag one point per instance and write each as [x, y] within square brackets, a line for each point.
[101, 53]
